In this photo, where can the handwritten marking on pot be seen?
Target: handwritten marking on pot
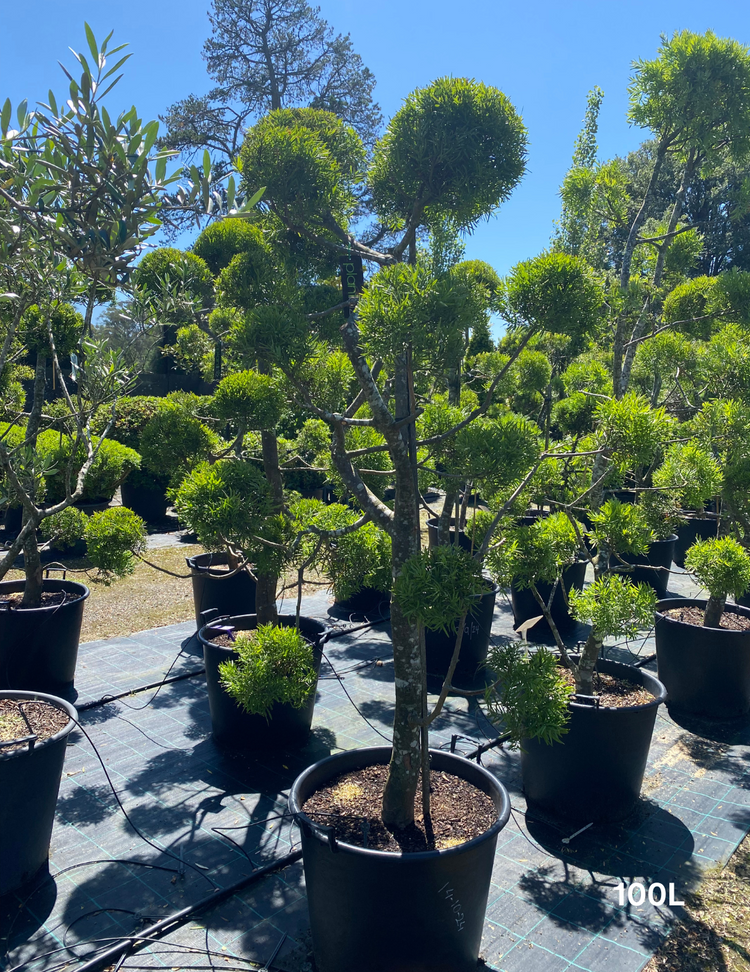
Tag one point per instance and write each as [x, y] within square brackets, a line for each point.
[449, 896]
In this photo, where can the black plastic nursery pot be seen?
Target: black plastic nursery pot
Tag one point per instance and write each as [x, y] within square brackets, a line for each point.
[29, 781]
[366, 600]
[233, 595]
[373, 911]
[464, 542]
[696, 528]
[474, 644]
[234, 728]
[39, 646]
[652, 567]
[146, 498]
[706, 671]
[595, 773]
[525, 605]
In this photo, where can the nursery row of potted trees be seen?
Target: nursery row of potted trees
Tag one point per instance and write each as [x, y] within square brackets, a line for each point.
[396, 387]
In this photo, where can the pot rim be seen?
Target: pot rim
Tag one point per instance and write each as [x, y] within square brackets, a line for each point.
[204, 640]
[417, 856]
[655, 701]
[55, 700]
[667, 603]
[214, 570]
[6, 587]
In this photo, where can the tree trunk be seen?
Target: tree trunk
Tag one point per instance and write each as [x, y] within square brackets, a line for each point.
[627, 261]
[587, 665]
[713, 612]
[409, 674]
[265, 592]
[32, 564]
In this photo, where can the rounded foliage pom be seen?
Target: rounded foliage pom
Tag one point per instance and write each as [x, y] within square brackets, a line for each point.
[275, 665]
[722, 566]
[67, 328]
[65, 528]
[536, 553]
[222, 240]
[456, 149]
[307, 159]
[224, 503]
[247, 280]
[184, 274]
[174, 438]
[556, 292]
[112, 538]
[438, 586]
[250, 398]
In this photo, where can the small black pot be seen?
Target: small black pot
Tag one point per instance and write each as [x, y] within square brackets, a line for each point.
[525, 605]
[234, 728]
[212, 589]
[374, 911]
[595, 773]
[474, 644]
[147, 499]
[464, 542]
[706, 670]
[696, 528]
[29, 782]
[368, 600]
[39, 646]
[652, 567]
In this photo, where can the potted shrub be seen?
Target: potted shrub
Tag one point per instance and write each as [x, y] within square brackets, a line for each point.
[34, 730]
[112, 202]
[358, 563]
[703, 645]
[404, 343]
[695, 479]
[262, 679]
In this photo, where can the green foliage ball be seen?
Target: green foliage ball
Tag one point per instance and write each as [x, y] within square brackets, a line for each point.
[113, 537]
[721, 565]
[250, 398]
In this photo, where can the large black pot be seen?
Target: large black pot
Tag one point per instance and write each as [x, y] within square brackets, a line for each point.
[474, 644]
[213, 589]
[595, 773]
[695, 528]
[652, 567]
[373, 911]
[706, 671]
[464, 542]
[39, 646]
[147, 498]
[29, 781]
[231, 725]
[367, 600]
[525, 605]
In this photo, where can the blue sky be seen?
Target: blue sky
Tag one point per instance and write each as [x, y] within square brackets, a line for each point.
[544, 55]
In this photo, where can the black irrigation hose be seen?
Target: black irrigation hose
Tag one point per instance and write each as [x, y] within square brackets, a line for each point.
[106, 699]
[151, 843]
[172, 922]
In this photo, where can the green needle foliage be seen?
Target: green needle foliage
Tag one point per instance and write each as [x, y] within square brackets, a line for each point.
[621, 528]
[438, 586]
[723, 567]
[249, 398]
[529, 695]
[112, 538]
[614, 607]
[535, 553]
[275, 666]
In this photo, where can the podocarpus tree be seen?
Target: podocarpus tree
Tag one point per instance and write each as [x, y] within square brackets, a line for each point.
[722, 566]
[453, 152]
[694, 97]
[80, 194]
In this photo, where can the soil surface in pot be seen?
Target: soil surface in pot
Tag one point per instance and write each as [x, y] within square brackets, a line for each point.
[351, 804]
[44, 719]
[49, 599]
[694, 615]
[614, 693]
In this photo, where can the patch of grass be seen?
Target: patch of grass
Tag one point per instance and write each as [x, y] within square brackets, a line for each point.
[715, 934]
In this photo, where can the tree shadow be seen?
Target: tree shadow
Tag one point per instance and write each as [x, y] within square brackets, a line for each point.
[86, 805]
[23, 913]
[731, 732]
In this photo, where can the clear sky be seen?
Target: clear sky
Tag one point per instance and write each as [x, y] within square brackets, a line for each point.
[544, 55]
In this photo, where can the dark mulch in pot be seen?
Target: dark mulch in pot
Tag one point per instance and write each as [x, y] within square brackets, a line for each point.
[49, 599]
[44, 719]
[730, 620]
[352, 804]
[223, 640]
[614, 693]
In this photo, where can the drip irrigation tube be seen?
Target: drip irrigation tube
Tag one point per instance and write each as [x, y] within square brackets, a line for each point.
[172, 922]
